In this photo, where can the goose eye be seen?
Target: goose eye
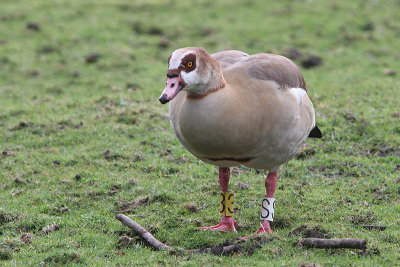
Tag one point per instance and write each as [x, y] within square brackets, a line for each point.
[190, 64]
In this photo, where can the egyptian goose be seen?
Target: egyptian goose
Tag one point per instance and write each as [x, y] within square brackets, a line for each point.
[231, 108]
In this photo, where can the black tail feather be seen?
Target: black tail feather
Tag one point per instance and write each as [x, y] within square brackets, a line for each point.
[315, 133]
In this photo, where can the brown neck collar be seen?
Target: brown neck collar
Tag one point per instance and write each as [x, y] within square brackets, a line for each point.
[216, 83]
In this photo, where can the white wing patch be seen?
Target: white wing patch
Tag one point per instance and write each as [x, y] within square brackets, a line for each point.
[298, 93]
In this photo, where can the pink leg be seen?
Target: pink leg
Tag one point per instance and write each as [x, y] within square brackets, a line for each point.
[227, 223]
[270, 186]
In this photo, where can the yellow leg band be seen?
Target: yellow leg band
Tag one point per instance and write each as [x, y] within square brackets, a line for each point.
[226, 204]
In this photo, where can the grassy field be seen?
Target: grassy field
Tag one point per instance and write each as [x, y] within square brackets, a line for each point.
[83, 136]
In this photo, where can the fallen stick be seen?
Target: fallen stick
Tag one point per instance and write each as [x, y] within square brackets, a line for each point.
[333, 243]
[216, 250]
[229, 249]
[149, 238]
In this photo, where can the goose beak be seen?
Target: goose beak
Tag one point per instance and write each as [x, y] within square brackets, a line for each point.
[173, 87]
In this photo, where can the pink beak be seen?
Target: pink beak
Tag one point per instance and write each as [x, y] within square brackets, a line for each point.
[173, 87]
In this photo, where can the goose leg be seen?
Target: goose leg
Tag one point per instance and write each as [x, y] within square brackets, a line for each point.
[268, 203]
[227, 223]
[267, 206]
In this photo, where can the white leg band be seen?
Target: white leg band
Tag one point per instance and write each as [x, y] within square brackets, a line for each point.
[267, 209]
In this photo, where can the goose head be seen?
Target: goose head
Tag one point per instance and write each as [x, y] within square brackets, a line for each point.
[193, 70]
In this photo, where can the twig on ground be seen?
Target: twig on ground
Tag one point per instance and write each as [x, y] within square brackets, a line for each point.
[216, 250]
[149, 238]
[231, 248]
[333, 243]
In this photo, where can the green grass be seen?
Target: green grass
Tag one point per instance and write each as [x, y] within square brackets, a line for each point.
[59, 115]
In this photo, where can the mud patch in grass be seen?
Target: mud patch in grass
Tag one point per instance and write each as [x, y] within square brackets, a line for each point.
[20, 125]
[26, 238]
[130, 206]
[363, 218]
[63, 258]
[50, 228]
[5, 255]
[6, 218]
[109, 155]
[384, 150]
[281, 223]
[310, 231]
[162, 197]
